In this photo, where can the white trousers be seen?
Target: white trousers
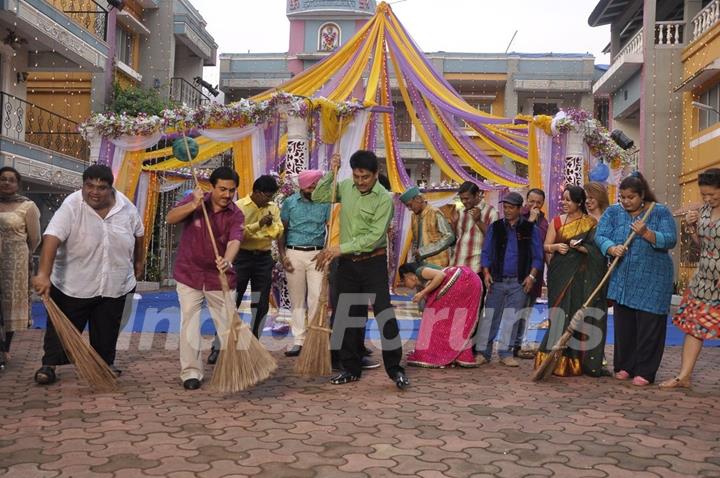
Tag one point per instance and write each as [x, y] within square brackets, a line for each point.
[304, 285]
[191, 301]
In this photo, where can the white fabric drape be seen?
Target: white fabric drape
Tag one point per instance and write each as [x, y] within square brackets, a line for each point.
[141, 195]
[260, 158]
[229, 135]
[544, 141]
[137, 143]
[351, 141]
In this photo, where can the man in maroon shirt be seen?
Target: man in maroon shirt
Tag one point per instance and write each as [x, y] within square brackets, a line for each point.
[196, 266]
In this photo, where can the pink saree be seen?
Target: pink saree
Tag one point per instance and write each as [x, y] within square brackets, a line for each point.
[449, 318]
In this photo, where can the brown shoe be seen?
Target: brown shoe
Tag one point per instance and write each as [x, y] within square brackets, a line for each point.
[509, 362]
[526, 354]
[480, 360]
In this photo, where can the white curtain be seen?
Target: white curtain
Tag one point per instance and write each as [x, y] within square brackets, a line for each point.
[136, 143]
[260, 158]
[544, 141]
[142, 195]
[346, 146]
[229, 135]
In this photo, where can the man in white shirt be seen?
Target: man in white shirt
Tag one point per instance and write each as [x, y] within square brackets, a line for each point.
[91, 255]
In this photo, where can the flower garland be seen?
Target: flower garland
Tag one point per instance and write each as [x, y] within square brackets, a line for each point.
[211, 116]
[595, 135]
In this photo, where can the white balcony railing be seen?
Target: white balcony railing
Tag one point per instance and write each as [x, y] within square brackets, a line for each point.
[669, 33]
[706, 19]
[634, 45]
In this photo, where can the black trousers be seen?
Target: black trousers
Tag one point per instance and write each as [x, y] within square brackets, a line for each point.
[357, 283]
[255, 268]
[639, 341]
[102, 315]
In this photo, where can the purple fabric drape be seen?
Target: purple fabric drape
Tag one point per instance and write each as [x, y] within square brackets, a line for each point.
[399, 163]
[271, 134]
[397, 245]
[107, 152]
[437, 141]
[557, 175]
[315, 141]
[478, 154]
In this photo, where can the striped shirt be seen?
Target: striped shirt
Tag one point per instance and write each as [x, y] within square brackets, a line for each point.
[468, 248]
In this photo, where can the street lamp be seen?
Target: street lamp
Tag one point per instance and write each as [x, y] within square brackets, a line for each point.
[704, 107]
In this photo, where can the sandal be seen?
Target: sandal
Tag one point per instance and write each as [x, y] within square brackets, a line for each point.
[676, 382]
[45, 375]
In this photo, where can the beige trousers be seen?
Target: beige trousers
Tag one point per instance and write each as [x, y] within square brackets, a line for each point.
[191, 301]
[304, 285]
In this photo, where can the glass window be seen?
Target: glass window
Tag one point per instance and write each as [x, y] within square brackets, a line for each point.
[124, 47]
[712, 98]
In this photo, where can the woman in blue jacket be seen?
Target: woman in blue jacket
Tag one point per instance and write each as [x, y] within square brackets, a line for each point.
[641, 285]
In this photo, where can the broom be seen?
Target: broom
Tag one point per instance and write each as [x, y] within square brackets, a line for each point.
[89, 365]
[547, 366]
[314, 359]
[243, 361]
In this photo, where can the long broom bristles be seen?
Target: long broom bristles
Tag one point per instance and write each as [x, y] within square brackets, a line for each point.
[89, 365]
[315, 357]
[547, 366]
[243, 361]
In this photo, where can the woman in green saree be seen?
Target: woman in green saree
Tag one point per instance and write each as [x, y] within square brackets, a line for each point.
[575, 268]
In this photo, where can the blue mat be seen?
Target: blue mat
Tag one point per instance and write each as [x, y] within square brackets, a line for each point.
[159, 312]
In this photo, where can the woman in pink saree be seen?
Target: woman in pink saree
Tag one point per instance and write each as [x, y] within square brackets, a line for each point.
[452, 297]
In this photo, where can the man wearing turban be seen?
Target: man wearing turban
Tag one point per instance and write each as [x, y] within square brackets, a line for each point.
[304, 224]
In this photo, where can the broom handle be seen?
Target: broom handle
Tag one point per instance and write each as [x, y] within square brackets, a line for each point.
[615, 261]
[223, 278]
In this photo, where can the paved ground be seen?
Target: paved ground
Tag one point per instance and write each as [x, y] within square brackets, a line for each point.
[487, 422]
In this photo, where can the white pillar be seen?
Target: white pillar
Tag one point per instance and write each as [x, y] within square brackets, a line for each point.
[296, 159]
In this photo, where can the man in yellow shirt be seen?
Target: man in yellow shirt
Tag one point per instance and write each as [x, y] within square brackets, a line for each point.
[254, 263]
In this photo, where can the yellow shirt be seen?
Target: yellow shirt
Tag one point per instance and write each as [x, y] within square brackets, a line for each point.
[259, 238]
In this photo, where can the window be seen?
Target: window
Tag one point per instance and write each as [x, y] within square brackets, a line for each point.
[124, 46]
[711, 98]
[549, 109]
[328, 37]
[485, 107]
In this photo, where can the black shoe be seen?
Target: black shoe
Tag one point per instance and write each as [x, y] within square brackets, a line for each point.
[368, 364]
[343, 378]
[294, 351]
[367, 352]
[191, 384]
[402, 381]
[115, 370]
[212, 358]
[45, 375]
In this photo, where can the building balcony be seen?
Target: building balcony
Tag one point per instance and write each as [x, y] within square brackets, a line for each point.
[75, 29]
[184, 92]
[189, 28]
[706, 19]
[629, 60]
[42, 145]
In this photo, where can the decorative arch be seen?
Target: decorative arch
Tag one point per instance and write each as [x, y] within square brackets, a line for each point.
[329, 37]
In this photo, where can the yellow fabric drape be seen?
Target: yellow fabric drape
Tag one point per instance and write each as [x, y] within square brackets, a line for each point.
[150, 209]
[129, 174]
[330, 128]
[243, 163]
[396, 184]
[207, 151]
[167, 152]
[354, 73]
[464, 155]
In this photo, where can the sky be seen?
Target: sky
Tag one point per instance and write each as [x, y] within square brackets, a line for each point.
[483, 26]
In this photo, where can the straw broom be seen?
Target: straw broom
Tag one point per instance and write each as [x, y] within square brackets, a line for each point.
[314, 359]
[547, 366]
[89, 365]
[243, 361]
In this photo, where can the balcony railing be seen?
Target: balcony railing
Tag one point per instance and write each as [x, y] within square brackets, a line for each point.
[670, 33]
[706, 19]
[89, 14]
[24, 121]
[182, 91]
[634, 45]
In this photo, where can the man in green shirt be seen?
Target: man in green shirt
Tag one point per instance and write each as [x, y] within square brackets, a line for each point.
[365, 216]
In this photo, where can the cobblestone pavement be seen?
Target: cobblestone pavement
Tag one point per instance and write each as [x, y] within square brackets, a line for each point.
[491, 421]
